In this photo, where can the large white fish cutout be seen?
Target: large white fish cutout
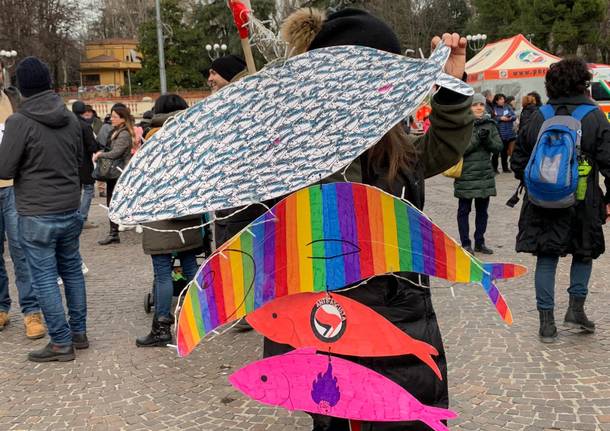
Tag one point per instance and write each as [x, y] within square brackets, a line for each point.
[269, 134]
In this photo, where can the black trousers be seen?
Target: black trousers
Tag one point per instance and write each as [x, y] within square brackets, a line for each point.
[109, 190]
[503, 155]
[481, 206]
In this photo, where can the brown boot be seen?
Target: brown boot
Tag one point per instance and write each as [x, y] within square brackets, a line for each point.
[34, 328]
[4, 319]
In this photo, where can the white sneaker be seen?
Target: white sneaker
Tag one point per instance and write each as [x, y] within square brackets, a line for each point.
[59, 281]
[84, 268]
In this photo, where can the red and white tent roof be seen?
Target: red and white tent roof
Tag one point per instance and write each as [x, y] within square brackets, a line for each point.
[513, 58]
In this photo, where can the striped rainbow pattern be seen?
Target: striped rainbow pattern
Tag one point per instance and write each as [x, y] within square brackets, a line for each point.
[326, 237]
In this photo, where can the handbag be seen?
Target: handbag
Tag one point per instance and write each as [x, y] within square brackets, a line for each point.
[107, 169]
[455, 171]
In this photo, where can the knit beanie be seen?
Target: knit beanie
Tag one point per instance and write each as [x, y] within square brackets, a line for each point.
[79, 108]
[308, 29]
[33, 76]
[228, 66]
[478, 98]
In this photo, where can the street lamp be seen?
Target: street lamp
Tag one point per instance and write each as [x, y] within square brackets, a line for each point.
[12, 54]
[218, 50]
[476, 42]
[530, 36]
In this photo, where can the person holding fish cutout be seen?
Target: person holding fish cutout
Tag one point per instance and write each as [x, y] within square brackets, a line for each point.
[398, 164]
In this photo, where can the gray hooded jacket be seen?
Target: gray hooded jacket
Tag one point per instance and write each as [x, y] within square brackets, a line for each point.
[42, 150]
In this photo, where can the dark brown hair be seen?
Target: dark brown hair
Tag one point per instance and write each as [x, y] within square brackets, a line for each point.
[394, 152]
[569, 77]
[125, 114]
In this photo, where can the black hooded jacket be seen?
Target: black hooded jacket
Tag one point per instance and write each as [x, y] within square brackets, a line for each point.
[42, 151]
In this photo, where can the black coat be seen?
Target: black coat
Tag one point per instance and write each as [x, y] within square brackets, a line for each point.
[526, 115]
[405, 303]
[576, 230]
[90, 147]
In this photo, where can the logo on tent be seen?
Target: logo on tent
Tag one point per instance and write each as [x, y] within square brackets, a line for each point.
[529, 56]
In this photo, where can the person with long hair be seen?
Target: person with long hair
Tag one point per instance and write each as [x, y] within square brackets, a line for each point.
[162, 243]
[120, 143]
[528, 107]
[398, 164]
[577, 230]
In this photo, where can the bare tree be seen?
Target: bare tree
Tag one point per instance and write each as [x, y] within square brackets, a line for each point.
[46, 29]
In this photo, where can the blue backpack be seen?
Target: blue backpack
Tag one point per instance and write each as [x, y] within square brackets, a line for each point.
[551, 174]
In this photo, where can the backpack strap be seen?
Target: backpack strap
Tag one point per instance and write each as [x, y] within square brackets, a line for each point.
[547, 111]
[580, 112]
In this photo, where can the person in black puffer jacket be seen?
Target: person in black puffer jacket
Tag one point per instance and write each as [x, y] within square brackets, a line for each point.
[477, 181]
[577, 230]
[398, 164]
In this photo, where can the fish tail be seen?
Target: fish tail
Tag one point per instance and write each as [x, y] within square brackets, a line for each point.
[497, 299]
[432, 416]
[504, 271]
[424, 352]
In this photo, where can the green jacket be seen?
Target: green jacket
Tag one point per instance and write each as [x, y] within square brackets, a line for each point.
[478, 179]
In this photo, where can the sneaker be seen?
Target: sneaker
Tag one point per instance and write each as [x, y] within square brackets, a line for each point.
[52, 352]
[80, 340]
[34, 328]
[84, 268]
[4, 319]
[60, 282]
[90, 225]
[483, 249]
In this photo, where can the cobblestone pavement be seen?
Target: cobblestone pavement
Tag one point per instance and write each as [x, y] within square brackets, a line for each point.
[501, 378]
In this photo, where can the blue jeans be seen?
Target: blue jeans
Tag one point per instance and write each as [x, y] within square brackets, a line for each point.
[51, 245]
[164, 287]
[8, 226]
[546, 267]
[88, 192]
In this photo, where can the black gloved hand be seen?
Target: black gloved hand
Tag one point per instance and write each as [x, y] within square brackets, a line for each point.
[483, 134]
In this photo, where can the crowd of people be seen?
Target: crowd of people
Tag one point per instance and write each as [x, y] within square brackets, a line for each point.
[50, 159]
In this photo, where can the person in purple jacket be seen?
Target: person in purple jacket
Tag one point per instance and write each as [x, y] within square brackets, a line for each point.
[505, 117]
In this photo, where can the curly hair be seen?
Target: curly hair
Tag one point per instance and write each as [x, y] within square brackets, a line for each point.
[569, 77]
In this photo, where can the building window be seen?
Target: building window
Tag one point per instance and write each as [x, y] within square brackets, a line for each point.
[89, 80]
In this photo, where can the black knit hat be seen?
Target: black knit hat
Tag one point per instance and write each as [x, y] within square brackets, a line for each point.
[33, 76]
[356, 27]
[228, 66]
[79, 108]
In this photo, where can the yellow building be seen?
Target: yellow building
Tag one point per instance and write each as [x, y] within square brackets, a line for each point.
[110, 63]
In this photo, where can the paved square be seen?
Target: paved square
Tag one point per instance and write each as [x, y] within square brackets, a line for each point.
[500, 377]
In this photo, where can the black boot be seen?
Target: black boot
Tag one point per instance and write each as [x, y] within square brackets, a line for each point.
[548, 330]
[113, 235]
[576, 317]
[160, 335]
[483, 249]
[52, 352]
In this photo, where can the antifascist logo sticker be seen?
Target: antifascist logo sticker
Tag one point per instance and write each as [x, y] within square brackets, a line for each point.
[328, 320]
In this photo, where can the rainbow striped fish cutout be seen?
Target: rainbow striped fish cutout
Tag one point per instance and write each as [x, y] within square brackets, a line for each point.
[326, 237]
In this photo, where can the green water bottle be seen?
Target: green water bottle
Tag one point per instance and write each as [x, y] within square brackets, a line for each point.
[583, 172]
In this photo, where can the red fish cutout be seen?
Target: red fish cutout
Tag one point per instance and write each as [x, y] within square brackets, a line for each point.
[333, 322]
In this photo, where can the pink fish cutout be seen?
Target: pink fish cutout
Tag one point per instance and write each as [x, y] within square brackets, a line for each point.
[315, 383]
[333, 322]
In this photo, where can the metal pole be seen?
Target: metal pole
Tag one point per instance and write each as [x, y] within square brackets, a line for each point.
[129, 81]
[161, 51]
